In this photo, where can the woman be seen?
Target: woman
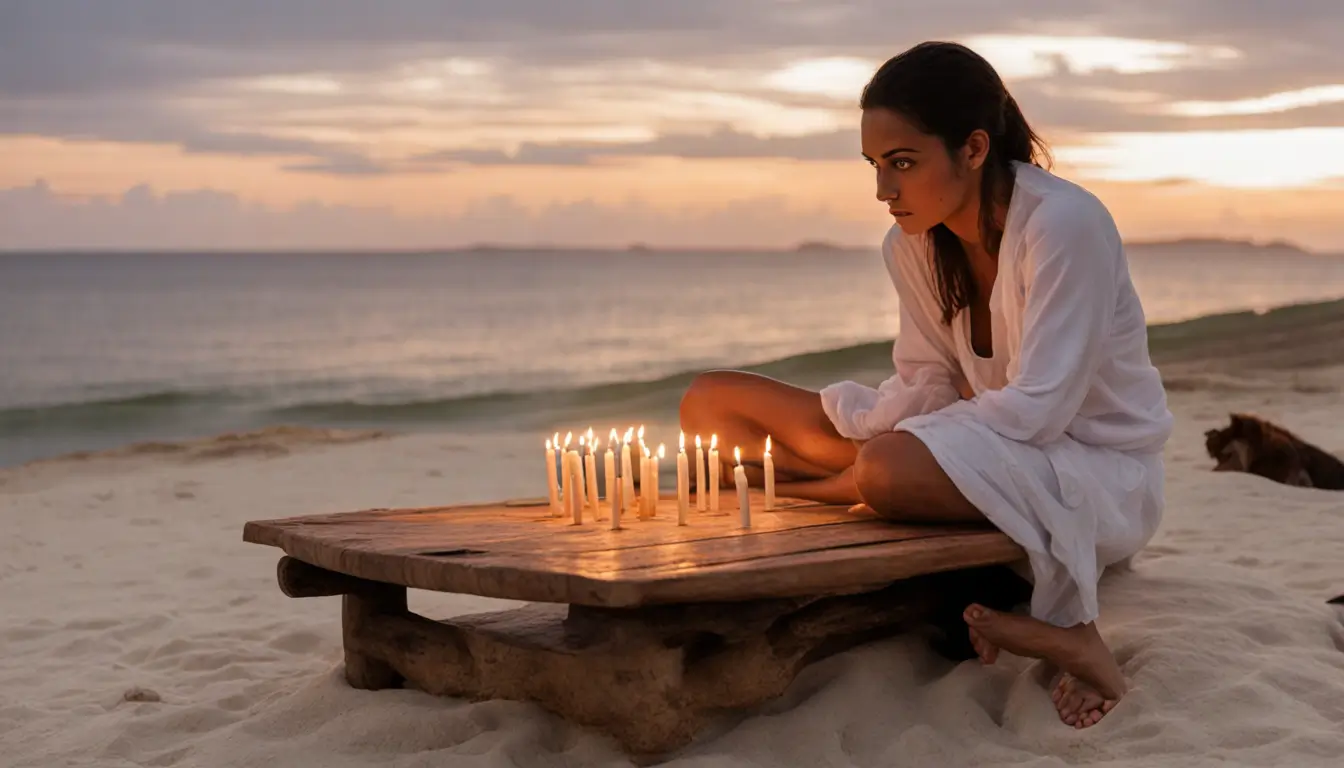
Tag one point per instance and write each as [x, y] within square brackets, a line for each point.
[1023, 392]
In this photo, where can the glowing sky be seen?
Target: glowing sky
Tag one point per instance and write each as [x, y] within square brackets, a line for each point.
[415, 123]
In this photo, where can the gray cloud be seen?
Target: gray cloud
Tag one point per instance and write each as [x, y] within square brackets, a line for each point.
[721, 143]
[79, 69]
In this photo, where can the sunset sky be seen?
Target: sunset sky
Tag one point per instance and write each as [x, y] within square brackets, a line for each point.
[416, 123]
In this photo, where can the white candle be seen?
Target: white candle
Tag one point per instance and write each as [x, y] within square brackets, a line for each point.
[769, 477]
[743, 501]
[576, 472]
[713, 473]
[700, 500]
[610, 467]
[590, 469]
[683, 483]
[551, 489]
[654, 462]
[566, 485]
[617, 503]
[578, 467]
[627, 473]
[645, 469]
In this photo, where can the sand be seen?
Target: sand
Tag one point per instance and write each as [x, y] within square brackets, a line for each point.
[139, 630]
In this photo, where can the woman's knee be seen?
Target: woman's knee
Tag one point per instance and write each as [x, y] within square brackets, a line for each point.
[707, 396]
[882, 470]
[899, 478]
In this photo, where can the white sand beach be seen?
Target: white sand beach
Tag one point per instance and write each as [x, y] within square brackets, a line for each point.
[139, 630]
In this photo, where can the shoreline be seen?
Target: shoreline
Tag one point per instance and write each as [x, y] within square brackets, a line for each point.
[1238, 350]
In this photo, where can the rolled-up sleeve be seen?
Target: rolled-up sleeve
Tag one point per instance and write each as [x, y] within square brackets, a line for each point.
[922, 355]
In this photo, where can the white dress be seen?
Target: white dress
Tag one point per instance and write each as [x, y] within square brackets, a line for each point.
[1061, 447]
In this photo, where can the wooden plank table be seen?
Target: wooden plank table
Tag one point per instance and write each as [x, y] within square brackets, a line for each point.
[642, 631]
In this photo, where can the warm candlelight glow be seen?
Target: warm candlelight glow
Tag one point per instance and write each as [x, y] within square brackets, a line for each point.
[548, 445]
[614, 437]
[697, 441]
[556, 440]
[628, 434]
[767, 443]
[641, 433]
[646, 452]
[713, 442]
[568, 436]
[660, 450]
[737, 454]
[682, 443]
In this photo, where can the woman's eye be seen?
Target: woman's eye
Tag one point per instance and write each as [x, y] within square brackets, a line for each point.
[902, 163]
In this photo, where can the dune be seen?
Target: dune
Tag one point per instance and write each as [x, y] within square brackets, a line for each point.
[139, 630]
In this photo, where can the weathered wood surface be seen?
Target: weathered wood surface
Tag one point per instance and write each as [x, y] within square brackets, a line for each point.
[651, 677]
[520, 552]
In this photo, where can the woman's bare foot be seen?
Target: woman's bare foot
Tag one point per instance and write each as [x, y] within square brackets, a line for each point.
[987, 651]
[1078, 703]
[1091, 683]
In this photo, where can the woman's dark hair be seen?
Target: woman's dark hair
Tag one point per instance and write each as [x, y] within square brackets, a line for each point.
[949, 91]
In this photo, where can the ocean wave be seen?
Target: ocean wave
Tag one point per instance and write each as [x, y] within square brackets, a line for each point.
[111, 412]
[867, 362]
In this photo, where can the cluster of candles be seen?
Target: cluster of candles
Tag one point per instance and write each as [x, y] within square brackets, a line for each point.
[572, 482]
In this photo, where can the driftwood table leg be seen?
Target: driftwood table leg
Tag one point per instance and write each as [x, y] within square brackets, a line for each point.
[371, 604]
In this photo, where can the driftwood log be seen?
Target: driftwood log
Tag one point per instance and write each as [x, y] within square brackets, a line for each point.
[641, 633]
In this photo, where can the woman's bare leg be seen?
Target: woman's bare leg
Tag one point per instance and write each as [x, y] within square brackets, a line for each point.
[812, 460]
[899, 479]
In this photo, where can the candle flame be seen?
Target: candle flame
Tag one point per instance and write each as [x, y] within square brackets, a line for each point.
[683, 442]
[737, 454]
[628, 434]
[614, 437]
[641, 431]
[767, 443]
[646, 451]
[548, 444]
[660, 450]
[590, 435]
[556, 440]
[569, 436]
[592, 444]
[713, 442]
[697, 441]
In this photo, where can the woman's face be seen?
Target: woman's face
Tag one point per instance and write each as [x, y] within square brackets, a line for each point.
[921, 183]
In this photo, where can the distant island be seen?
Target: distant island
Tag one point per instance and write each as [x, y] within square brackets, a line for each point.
[1219, 243]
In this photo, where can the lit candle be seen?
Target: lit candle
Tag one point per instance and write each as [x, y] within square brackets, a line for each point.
[576, 467]
[645, 471]
[610, 467]
[550, 478]
[700, 500]
[713, 473]
[566, 475]
[683, 483]
[627, 473]
[616, 501]
[769, 477]
[590, 469]
[654, 462]
[743, 501]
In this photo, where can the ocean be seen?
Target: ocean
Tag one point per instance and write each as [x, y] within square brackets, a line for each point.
[98, 350]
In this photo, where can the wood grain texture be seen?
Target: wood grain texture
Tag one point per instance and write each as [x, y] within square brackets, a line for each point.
[520, 552]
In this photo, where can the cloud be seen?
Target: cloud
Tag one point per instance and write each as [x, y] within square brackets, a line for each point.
[718, 144]
[245, 77]
[37, 217]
